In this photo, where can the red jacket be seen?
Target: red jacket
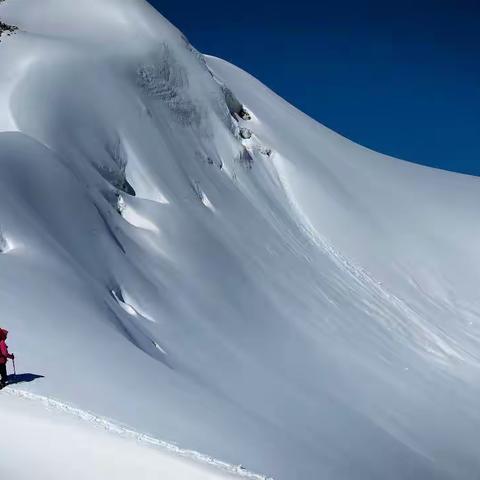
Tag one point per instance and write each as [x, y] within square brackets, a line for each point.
[4, 355]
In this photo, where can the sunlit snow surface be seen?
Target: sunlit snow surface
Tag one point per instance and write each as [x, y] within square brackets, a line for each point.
[290, 301]
[59, 442]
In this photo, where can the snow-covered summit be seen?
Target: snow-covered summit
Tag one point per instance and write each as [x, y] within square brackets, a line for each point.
[186, 253]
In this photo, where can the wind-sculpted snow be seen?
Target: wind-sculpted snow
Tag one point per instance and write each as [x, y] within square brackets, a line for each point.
[184, 252]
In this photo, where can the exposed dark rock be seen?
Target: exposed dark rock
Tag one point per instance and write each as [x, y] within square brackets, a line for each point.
[245, 133]
[5, 28]
[244, 115]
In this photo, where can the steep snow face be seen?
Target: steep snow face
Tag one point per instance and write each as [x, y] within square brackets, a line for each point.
[184, 252]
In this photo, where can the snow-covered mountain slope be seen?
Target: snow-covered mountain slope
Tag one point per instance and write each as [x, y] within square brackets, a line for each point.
[261, 290]
[60, 443]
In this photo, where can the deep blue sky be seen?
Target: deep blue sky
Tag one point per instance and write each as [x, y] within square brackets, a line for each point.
[400, 77]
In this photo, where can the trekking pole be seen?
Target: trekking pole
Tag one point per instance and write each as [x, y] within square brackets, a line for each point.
[14, 369]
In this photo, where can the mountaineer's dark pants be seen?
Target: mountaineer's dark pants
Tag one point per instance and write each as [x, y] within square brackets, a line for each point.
[3, 374]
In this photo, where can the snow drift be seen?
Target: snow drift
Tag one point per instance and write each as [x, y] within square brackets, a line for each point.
[183, 251]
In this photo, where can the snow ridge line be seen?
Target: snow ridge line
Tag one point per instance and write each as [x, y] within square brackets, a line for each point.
[126, 432]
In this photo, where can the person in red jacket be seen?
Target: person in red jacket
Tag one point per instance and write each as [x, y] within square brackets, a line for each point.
[4, 356]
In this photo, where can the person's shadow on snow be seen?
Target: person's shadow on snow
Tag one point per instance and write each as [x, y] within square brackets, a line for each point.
[22, 378]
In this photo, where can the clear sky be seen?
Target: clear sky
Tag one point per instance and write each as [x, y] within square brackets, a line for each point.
[400, 77]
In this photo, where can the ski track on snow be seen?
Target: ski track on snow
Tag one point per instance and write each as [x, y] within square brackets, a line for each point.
[126, 432]
[436, 346]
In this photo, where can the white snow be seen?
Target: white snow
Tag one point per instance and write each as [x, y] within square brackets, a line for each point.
[48, 440]
[133, 217]
[292, 302]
